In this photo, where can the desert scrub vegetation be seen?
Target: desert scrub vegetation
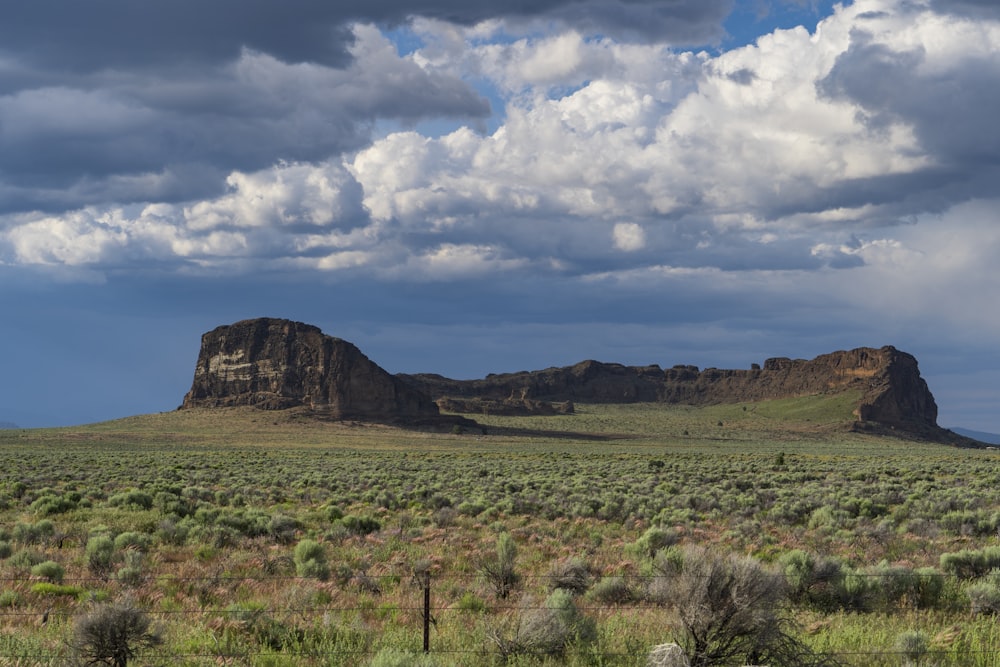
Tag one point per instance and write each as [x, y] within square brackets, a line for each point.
[261, 539]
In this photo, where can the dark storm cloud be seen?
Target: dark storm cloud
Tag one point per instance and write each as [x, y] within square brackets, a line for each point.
[119, 136]
[952, 113]
[84, 36]
[120, 101]
[985, 9]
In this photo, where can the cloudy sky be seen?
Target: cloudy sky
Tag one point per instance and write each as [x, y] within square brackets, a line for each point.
[464, 188]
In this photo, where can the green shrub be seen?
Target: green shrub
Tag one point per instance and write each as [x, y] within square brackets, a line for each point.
[136, 500]
[812, 580]
[361, 525]
[970, 564]
[57, 590]
[8, 599]
[100, 554]
[50, 570]
[654, 539]
[912, 645]
[25, 559]
[282, 528]
[498, 568]
[984, 595]
[310, 560]
[611, 590]
[33, 533]
[472, 603]
[171, 532]
[930, 586]
[131, 574]
[5, 550]
[51, 504]
[132, 540]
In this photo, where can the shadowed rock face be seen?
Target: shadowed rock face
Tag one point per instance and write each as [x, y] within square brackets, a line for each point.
[892, 392]
[277, 364]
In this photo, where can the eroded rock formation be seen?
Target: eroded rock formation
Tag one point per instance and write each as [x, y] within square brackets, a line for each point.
[892, 393]
[276, 364]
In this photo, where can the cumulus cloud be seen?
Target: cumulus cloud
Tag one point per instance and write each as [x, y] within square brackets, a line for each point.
[803, 151]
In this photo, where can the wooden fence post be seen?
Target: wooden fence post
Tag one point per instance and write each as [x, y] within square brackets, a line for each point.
[427, 612]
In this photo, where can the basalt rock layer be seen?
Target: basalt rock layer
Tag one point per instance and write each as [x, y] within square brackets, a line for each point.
[892, 394]
[277, 364]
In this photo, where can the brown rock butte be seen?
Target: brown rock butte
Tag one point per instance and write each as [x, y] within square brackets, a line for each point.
[276, 364]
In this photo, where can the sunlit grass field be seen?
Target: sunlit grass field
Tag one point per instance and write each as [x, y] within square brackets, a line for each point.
[204, 511]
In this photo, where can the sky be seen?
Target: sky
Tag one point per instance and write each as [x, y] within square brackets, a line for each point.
[492, 186]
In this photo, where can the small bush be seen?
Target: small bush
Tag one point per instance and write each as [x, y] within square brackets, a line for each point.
[134, 500]
[611, 590]
[549, 630]
[25, 559]
[984, 595]
[571, 575]
[133, 540]
[100, 554]
[33, 533]
[282, 528]
[498, 568]
[8, 599]
[361, 525]
[971, 564]
[112, 635]
[912, 645]
[50, 570]
[471, 602]
[310, 560]
[50, 504]
[729, 612]
[654, 539]
[5, 550]
[131, 574]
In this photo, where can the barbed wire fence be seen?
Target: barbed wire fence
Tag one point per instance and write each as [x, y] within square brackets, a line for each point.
[421, 615]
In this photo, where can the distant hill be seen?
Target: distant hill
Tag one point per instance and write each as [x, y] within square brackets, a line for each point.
[8, 425]
[981, 436]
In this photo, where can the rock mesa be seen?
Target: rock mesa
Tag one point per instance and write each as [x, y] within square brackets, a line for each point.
[892, 393]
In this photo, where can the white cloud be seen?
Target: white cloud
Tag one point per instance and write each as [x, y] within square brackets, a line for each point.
[629, 237]
[763, 157]
[289, 194]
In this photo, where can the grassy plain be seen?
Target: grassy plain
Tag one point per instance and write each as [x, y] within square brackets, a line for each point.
[205, 509]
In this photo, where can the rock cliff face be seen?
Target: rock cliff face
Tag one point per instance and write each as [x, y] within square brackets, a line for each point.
[892, 392]
[276, 364]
